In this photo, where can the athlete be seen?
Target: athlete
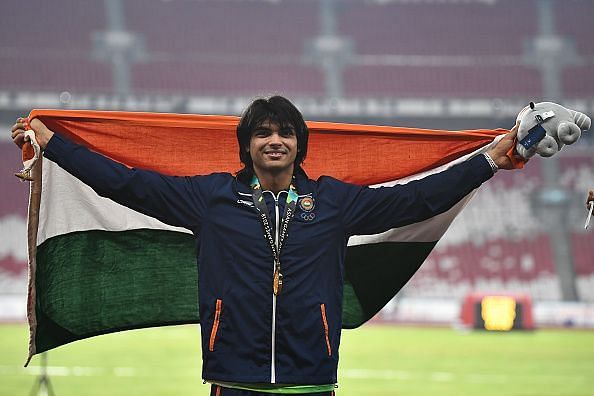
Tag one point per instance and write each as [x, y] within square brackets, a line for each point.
[271, 242]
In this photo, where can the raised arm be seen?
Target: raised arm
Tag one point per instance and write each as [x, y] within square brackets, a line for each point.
[375, 210]
[178, 201]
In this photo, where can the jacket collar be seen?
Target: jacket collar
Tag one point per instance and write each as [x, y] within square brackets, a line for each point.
[300, 181]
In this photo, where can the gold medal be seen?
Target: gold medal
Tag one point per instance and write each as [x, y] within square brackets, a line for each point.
[277, 282]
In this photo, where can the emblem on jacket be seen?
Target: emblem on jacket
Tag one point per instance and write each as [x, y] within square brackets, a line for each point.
[306, 204]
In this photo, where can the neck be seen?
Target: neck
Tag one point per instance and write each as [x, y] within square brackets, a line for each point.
[275, 181]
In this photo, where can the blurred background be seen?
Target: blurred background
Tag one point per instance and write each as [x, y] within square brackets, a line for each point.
[447, 64]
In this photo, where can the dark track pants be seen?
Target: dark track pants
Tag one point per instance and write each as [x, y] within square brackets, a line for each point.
[216, 390]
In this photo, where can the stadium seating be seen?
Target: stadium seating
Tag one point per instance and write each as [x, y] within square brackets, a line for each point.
[74, 74]
[443, 81]
[439, 28]
[47, 46]
[574, 21]
[13, 212]
[221, 79]
[45, 29]
[579, 81]
[202, 28]
[471, 49]
[498, 245]
[226, 47]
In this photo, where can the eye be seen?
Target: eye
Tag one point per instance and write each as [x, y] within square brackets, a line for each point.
[261, 133]
[288, 132]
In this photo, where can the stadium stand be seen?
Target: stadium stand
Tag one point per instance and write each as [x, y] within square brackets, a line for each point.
[224, 79]
[74, 74]
[65, 27]
[498, 243]
[439, 28]
[443, 81]
[203, 28]
[55, 52]
[412, 49]
[578, 30]
[578, 80]
[13, 213]
[225, 47]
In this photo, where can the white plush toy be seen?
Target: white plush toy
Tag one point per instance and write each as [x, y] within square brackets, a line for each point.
[546, 127]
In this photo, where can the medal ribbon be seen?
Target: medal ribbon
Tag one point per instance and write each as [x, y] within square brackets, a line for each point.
[260, 204]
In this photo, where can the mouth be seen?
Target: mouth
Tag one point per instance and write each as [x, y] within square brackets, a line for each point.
[274, 154]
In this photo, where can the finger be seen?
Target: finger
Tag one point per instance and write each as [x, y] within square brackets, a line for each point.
[17, 133]
[20, 141]
[20, 125]
[19, 137]
[514, 131]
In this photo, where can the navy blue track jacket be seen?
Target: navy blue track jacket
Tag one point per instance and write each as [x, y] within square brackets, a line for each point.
[248, 334]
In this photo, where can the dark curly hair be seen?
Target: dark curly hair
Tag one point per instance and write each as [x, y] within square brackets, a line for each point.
[276, 110]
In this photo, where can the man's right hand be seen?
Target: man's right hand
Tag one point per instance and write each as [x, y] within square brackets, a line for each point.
[42, 133]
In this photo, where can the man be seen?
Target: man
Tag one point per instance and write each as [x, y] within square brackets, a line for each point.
[271, 242]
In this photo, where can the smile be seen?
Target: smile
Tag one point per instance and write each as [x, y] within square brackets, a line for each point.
[274, 154]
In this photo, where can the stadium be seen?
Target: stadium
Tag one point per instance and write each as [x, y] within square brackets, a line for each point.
[435, 64]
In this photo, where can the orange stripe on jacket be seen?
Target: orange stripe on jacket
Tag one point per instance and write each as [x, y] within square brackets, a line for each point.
[215, 325]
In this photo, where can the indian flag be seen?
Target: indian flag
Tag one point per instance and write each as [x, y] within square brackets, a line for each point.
[97, 267]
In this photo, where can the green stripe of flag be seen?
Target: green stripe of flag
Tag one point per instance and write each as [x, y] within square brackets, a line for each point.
[375, 272]
[96, 282]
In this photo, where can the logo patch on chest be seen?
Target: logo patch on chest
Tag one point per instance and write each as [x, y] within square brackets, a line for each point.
[307, 204]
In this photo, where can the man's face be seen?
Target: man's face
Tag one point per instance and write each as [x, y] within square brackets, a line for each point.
[273, 150]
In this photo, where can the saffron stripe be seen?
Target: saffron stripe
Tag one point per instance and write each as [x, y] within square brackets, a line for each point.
[188, 150]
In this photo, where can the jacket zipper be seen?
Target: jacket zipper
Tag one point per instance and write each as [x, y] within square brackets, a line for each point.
[273, 341]
[215, 325]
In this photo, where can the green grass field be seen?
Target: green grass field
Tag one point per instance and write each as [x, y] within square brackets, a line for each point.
[375, 360]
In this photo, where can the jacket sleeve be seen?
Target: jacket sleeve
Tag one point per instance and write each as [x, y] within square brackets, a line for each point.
[174, 200]
[375, 210]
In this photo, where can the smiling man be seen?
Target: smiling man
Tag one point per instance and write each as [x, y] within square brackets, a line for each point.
[273, 151]
[272, 139]
[271, 242]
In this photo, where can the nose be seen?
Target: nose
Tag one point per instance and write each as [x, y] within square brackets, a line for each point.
[275, 139]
